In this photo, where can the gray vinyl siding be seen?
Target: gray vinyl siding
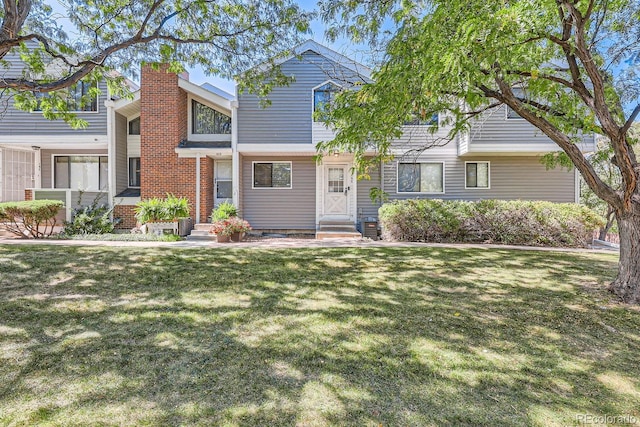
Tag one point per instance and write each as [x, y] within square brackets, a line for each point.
[17, 122]
[281, 208]
[367, 208]
[510, 178]
[494, 128]
[47, 164]
[122, 164]
[288, 119]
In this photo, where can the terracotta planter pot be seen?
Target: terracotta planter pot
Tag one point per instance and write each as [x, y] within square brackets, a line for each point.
[236, 237]
[223, 239]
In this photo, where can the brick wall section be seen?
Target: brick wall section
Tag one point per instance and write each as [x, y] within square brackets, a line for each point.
[127, 215]
[28, 194]
[163, 124]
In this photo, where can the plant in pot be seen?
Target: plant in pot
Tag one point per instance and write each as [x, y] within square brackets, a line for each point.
[162, 214]
[230, 229]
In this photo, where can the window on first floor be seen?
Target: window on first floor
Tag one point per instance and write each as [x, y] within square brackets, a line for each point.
[421, 177]
[272, 174]
[88, 173]
[477, 175]
[134, 171]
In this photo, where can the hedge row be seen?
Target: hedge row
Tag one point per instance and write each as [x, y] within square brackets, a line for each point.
[31, 218]
[531, 223]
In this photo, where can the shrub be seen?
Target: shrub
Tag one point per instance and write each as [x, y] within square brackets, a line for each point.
[223, 211]
[161, 210]
[31, 218]
[94, 219]
[532, 223]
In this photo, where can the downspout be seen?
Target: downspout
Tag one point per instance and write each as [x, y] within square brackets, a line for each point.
[111, 150]
[198, 188]
[235, 157]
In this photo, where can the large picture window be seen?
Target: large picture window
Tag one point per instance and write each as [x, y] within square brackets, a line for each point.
[207, 121]
[421, 178]
[272, 175]
[87, 173]
[134, 171]
[477, 175]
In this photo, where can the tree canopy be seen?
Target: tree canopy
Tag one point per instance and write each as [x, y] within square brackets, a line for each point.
[567, 67]
[87, 40]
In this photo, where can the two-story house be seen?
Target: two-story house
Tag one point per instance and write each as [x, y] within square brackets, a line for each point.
[196, 141]
[63, 163]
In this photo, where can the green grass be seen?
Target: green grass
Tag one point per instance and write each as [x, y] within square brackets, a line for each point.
[377, 336]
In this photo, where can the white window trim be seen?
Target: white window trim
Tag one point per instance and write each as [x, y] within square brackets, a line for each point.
[53, 170]
[129, 171]
[444, 189]
[253, 179]
[205, 136]
[313, 96]
[85, 112]
[488, 187]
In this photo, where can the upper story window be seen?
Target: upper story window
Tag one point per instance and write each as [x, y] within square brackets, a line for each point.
[81, 97]
[432, 120]
[324, 96]
[134, 126]
[206, 121]
[421, 177]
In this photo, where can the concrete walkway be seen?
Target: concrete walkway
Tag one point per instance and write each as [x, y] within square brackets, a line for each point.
[283, 243]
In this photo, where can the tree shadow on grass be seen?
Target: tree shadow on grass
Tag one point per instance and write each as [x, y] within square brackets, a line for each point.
[392, 336]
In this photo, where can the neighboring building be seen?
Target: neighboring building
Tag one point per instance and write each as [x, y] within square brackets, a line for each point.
[197, 141]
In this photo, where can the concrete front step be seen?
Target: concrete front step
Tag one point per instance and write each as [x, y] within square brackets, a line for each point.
[202, 226]
[321, 235]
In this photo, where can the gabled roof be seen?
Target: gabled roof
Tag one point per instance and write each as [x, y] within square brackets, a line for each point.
[130, 106]
[312, 45]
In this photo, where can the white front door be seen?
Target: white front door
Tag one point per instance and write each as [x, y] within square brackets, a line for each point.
[336, 191]
[223, 188]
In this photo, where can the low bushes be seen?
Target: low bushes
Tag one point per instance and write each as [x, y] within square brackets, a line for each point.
[162, 210]
[532, 223]
[31, 218]
[94, 219]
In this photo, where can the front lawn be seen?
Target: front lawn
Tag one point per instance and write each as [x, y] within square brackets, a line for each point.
[375, 336]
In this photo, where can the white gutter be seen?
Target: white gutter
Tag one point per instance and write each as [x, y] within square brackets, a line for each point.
[235, 157]
[197, 188]
[111, 150]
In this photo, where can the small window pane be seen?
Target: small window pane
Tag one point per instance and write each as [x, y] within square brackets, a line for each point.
[281, 175]
[262, 174]
[409, 178]
[431, 178]
[336, 180]
[61, 173]
[134, 126]
[483, 175]
[472, 169]
[134, 172]
[223, 189]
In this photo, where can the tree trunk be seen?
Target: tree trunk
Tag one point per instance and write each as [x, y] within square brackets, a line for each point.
[627, 284]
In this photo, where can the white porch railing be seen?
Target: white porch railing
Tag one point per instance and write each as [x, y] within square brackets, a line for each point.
[72, 199]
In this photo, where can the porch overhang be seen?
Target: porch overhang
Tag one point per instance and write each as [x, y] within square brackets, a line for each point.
[214, 149]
